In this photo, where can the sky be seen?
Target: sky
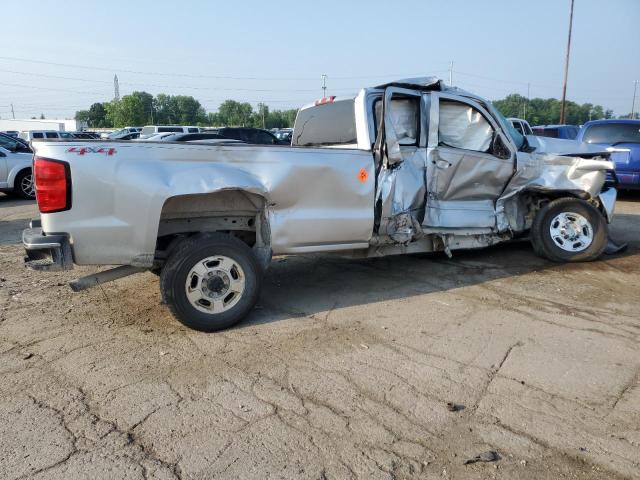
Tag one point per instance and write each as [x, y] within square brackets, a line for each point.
[60, 57]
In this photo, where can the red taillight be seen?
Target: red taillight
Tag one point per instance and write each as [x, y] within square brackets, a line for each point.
[325, 100]
[53, 185]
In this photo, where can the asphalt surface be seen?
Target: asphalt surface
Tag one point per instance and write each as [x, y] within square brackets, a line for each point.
[344, 370]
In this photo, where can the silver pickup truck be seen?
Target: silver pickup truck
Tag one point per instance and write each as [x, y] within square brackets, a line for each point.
[410, 166]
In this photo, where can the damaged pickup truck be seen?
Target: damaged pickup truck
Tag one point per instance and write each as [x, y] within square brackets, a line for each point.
[406, 167]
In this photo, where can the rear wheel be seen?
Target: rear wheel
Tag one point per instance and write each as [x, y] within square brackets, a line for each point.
[24, 186]
[569, 230]
[210, 281]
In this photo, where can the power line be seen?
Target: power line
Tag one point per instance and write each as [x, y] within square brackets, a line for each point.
[188, 75]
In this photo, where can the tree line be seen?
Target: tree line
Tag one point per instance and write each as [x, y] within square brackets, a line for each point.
[142, 108]
[546, 111]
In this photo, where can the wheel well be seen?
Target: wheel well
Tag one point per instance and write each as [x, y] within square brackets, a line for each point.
[236, 212]
[533, 200]
[20, 172]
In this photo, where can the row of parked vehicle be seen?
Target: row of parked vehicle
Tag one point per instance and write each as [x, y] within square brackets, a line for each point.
[180, 133]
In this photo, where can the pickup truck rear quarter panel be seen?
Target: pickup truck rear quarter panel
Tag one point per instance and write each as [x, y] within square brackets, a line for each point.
[317, 199]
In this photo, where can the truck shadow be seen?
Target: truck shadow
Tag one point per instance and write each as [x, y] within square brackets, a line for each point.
[315, 285]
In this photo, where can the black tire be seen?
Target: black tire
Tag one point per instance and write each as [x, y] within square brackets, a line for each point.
[23, 185]
[545, 246]
[187, 254]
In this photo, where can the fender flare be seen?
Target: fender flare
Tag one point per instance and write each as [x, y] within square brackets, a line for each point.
[14, 172]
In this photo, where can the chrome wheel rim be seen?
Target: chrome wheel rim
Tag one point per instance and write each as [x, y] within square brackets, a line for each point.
[215, 284]
[26, 185]
[571, 232]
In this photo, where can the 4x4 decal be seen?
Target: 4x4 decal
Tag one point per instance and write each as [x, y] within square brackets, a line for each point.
[100, 150]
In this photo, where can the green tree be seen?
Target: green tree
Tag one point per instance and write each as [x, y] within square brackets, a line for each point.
[545, 111]
[134, 109]
[234, 113]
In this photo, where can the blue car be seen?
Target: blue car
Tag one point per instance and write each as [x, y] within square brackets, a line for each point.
[622, 139]
[565, 132]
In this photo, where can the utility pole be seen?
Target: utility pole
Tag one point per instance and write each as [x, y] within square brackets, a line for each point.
[451, 73]
[13, 114]
[324, 86]
[566, 67]
[116, 88]
[527, 102]
[633, 104]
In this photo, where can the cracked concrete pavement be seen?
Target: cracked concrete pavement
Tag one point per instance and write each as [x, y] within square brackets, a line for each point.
[342, 371]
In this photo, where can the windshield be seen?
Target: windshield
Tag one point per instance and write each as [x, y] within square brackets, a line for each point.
[515, 135]
[610, 133]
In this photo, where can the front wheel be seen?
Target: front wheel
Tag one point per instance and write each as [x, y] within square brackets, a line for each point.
[24, 186]
[211, 281]
[569, 230]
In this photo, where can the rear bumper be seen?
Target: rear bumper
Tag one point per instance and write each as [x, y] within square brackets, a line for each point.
[47, 252]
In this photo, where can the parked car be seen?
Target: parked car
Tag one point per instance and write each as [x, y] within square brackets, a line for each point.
[149, 130]
[194, 137]
[622, 139]
[15, 167]
[363, 178]
[566, 132]
[522, 126]
[122, 133]
[11, 133]
[80, 135]
[14, 144]
[255, 136]
[38, 134]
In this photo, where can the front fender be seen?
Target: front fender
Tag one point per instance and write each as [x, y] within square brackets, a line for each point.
[607, 199]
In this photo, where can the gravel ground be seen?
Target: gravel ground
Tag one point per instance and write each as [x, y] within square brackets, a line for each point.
[344, 370]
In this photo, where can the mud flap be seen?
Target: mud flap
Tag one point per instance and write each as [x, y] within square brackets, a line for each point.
[613, 247]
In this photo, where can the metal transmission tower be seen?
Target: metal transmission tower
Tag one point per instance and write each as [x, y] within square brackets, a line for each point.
[324, 86]
[116, 88]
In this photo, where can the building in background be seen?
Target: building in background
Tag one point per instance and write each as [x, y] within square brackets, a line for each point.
[59, 125]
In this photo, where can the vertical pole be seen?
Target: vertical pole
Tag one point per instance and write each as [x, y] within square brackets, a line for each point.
[527, 102]
[566, 68]
[324, 86]
[451, 73]
[13, 114]
[633, 103]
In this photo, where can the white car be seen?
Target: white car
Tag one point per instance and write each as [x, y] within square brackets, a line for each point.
[522, 126]
[29, 135]
[15, 170]
[150, 130]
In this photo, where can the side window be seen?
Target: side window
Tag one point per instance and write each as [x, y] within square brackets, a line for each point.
[193, 130]
[51, 135]
[462, 126]
[518, 127]
[38, 135]
[7, 143]
[405, 118]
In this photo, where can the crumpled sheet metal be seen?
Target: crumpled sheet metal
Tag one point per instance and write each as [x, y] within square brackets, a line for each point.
[543, 171]
[401, 188]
